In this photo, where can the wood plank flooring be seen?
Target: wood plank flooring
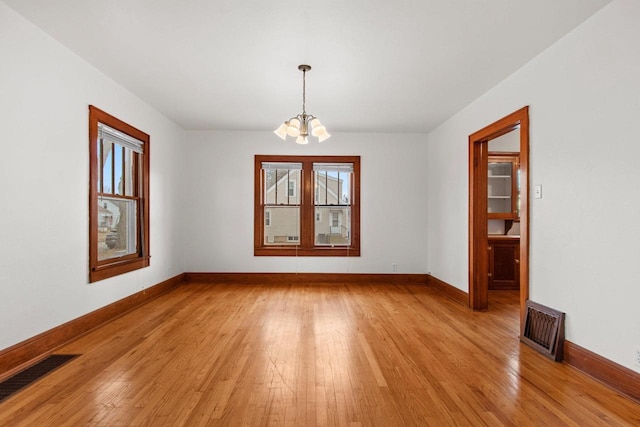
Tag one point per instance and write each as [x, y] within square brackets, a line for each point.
[306, 355]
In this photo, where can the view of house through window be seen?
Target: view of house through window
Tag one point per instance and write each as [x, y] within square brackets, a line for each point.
[307, 203]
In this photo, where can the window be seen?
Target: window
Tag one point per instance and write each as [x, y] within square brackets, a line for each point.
[332, 182]
[307, 205]
[118, 196]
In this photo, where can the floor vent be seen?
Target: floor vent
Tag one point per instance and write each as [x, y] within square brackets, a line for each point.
[14, 384]
[544, 330]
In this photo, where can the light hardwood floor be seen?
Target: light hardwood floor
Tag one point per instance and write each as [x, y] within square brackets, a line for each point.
[305, 355]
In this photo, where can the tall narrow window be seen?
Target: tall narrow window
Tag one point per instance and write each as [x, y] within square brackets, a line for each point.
[333, 191]
[118, 196]
[307, 205]
[282, 206]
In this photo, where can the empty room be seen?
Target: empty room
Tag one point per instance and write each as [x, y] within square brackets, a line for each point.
[410, 213]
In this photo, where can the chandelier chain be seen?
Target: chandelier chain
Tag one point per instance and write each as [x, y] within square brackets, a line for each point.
[304, 92]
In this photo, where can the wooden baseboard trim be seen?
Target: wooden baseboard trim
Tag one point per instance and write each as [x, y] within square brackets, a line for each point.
[22, 354]
[305, 278]
[616, 376]
[450, 291]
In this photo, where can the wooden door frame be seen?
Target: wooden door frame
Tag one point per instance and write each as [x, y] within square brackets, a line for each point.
[478, 243]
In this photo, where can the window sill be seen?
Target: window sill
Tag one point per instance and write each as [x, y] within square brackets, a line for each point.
[317, 251]
[109, 270]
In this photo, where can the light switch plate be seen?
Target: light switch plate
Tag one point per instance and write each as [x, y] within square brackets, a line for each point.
[538, 192]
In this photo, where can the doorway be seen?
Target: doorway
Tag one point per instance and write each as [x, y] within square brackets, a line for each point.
[479, 257]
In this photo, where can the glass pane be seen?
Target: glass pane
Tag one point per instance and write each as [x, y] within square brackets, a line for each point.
[320, 195]
[117, 170]
[333, 226]
[107, 172]
[282, 187]
[292, 188]
[99, 168]
[500, 169]
[332, 187]
[128, 173]
[499, 187]
[117, 225]
[282, 225]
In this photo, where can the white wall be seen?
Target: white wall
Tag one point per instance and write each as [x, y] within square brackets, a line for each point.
[584, 94]
[220, 205]
[45, 91]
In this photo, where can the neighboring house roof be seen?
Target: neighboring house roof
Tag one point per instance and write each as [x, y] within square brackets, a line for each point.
[321, 183]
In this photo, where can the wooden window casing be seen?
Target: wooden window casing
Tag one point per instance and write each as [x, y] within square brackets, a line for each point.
[137, 194]
[306, 245]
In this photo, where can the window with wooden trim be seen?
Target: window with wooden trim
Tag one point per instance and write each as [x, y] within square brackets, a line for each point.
[307, 205]
[118, 196]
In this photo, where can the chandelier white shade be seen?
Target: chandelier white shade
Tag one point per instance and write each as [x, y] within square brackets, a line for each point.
[299, 126]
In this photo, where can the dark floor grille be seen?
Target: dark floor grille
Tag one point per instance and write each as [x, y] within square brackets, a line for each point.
[544, 330]
[24, 378]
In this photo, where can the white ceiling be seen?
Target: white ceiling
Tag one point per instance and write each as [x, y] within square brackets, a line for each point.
[378, 66]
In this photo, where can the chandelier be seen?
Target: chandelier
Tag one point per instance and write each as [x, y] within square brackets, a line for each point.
[299, 126]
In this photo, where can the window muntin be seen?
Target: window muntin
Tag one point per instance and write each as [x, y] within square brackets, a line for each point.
[119, 188]
[313, 203]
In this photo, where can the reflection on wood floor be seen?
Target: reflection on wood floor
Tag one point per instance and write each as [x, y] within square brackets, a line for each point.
[305, 355]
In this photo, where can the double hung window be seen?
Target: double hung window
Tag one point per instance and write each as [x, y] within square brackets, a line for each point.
[118, 196]
[332, 202]
[307, 205]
